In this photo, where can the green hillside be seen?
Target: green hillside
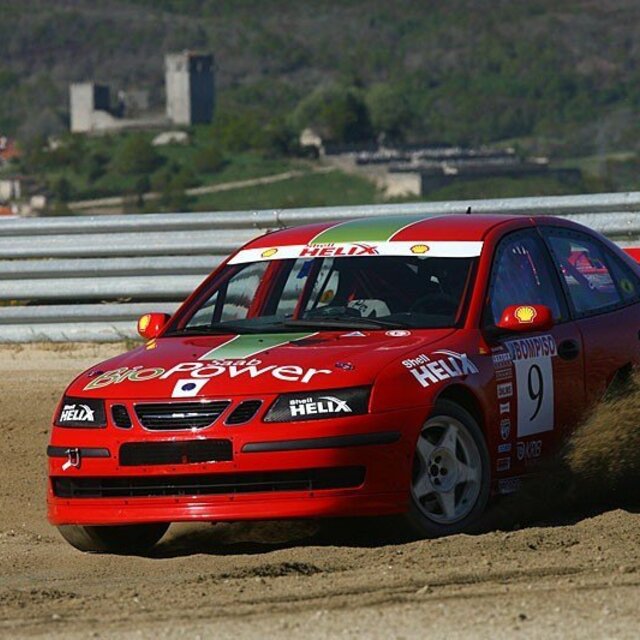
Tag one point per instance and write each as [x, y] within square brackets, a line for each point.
[555, 77]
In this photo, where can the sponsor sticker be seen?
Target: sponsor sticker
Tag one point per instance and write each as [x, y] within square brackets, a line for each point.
[397, 333]
[505, 428]
[188, 388]
[203, 371]
[505, 390]
[439, 365]
[505, 407]
[504, 374]
[529, 450]
[503, 464]
[505, 447]
[509, 485]
[525, 314]
[77, 413]
[314, 406]
[533, 361]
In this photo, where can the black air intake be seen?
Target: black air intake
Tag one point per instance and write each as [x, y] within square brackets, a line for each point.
[244, 412]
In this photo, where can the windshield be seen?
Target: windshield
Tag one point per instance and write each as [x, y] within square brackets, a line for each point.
[379, 292]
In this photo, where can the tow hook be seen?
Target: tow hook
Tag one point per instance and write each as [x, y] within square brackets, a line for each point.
[73, 459]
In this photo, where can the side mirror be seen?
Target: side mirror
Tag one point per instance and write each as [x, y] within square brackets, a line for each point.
[151, 324]
[526, 317]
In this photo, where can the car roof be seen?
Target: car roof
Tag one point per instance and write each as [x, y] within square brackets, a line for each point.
[407, 228]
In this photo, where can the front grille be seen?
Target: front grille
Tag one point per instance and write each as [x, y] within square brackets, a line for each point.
[209, 484]
[175, 416]
[244, 412]
[139, 453]
[120, 416]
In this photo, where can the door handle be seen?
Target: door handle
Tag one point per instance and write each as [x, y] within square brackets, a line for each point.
[569, 349]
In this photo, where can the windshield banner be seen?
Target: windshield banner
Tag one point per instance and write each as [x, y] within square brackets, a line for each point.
[436, 249]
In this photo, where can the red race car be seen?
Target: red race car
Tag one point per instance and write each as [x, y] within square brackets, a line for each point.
[394, 365]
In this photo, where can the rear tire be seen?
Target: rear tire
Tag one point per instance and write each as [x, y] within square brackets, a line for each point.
[133, 539]
[451, 474]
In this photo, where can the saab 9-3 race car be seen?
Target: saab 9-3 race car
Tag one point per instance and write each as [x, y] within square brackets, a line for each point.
[415, 366]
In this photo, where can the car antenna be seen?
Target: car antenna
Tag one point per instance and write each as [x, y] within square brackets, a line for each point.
[468, 210]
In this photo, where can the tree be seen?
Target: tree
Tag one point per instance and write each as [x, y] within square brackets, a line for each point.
[338, 113]
[389, 110]
[137, 156]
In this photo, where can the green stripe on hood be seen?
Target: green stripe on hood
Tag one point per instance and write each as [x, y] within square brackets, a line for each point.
[242, 346]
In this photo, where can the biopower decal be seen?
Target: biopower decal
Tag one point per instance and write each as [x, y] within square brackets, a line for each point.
[234, 358]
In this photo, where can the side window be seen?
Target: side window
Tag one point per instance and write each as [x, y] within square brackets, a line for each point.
[627, 281]
[585, 271]
[522, 274]
[293, 288]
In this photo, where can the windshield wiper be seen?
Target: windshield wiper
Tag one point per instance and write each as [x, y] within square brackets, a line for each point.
[212, 330]
[342, 322]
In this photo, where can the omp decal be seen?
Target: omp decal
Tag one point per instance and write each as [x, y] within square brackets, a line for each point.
[525, 314]
[438, 366]
[188, 388]
[532, 358]
[437, 249]
[245, 346]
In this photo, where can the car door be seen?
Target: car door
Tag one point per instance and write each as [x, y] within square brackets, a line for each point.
[604, 293]
[539, 376]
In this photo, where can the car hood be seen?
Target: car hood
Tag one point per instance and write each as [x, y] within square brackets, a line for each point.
[206, 366]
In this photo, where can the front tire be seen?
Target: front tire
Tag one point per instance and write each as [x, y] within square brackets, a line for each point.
[134, 539]
[451, 474]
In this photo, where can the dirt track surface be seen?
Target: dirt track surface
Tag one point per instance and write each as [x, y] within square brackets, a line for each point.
[580, 579]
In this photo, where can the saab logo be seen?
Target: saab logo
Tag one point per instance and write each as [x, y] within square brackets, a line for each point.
[77, 413]
[201, 370]
[331, 250]
[505, 428]
[267, 253]
[528, 348]
[525, 315]
[430, 370]
[503, 464]
[420, 248]
[505, 407]
[529, 450]
[504, 448]
[397, 333]
[505, 390]
[324, 404]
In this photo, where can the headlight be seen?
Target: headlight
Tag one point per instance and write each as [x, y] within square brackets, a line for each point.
[81, 412]
[319, 405]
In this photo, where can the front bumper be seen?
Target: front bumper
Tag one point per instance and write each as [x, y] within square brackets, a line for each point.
[350, 466]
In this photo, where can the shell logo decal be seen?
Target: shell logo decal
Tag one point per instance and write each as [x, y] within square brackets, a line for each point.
[420, 248]
[143, 323]
[267, 253]
[525, 315]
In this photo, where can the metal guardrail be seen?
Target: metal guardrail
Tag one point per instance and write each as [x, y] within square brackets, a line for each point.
[90, 277]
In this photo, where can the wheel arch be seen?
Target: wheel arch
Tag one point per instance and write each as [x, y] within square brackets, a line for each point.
[467, 399]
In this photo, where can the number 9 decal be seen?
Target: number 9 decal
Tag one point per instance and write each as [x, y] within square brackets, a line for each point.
[535, 386]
